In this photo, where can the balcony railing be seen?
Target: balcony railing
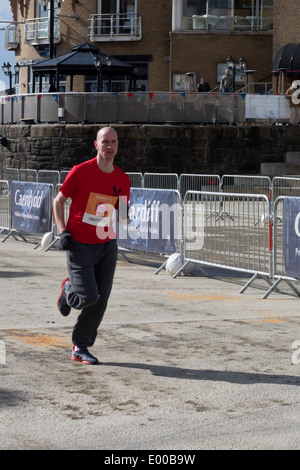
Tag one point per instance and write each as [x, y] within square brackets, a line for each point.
[11, 37]
[148, 107]
[37, 31]
[227, 22]
[116, 27]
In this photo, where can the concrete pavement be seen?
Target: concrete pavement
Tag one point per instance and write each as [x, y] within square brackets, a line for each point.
[186, 363]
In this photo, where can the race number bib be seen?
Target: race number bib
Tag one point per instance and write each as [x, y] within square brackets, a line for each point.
[99, 209]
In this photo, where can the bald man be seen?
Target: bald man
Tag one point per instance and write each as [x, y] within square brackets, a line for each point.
[97, 189]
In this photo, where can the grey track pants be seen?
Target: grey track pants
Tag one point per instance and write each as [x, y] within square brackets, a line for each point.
[91, 272]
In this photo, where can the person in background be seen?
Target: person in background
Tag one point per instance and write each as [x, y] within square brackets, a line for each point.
[97, 189]
[226, 85]
[203, 86]
[293, 94]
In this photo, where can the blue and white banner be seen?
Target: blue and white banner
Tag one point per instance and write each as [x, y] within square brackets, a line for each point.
[291, 236]
[31, 207]
[154, 224]
[267, 107]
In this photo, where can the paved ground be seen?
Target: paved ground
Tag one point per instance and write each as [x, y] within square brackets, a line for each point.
[187, 363]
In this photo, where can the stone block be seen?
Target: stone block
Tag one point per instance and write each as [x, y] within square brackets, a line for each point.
[279, 169]
[292, 157]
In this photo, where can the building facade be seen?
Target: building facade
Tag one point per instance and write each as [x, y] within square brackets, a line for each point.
[169, 42]
[286, 24]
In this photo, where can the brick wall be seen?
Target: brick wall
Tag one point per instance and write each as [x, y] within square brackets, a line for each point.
[286, 23]
[200, 53]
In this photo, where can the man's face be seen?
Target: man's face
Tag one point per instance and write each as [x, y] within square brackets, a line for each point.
[107, 144]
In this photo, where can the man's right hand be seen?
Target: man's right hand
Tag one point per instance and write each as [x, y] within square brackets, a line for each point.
[66, 241]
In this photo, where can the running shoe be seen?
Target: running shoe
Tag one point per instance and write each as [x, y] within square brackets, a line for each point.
[84, 356]
[62, 305]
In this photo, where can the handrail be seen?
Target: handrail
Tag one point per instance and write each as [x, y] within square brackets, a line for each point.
[142, 107]
[37, 29]
[124, 25]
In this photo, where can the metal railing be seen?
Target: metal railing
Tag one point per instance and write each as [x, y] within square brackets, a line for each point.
[53, 177]
[142, 107]
[229, 238]
[279, 248]
[122, 107]
[198, 182]
[5, 222]
[229, 22]
[118, 26]
[285, 186]
[237, 230]
[37, 31]
[245, 184]
[12, 36]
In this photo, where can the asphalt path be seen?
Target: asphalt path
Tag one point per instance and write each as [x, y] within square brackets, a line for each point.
[187, 364]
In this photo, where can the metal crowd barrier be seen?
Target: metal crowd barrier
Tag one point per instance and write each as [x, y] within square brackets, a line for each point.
[161, 180]
[238, 229]
[278, 237]
[230, 239]
[5, 222]
[11, 174]
[246, 184]
[48, 176]
[35, 176]
[66, 215]
[136, 179]
[279, 273]
[254, 184]
[285, 186]
[6, 216]
[29, 176]
[198, 182]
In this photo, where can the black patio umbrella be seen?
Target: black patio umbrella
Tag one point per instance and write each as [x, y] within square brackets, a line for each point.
[287, 59]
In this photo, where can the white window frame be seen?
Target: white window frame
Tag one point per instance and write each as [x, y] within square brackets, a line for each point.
[118, 3]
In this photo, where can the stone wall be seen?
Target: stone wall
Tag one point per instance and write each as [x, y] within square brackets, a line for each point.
[151, 148]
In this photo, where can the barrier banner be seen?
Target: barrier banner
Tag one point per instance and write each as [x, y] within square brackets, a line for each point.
[291, 236]
[266, 107]
[154, 224]
[31, 207]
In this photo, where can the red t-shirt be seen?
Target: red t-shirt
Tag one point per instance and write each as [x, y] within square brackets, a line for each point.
[95, 199]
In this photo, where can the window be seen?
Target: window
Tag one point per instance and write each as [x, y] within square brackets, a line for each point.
[240, 15]
[123, 7]
[43, 13]
[141, 75]
[115, 20]
[120, 83]
[46, 82]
